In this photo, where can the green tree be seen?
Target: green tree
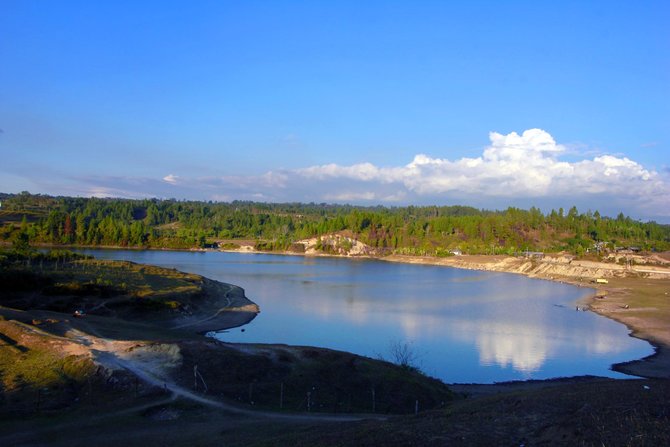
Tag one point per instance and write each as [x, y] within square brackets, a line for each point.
[21, 242]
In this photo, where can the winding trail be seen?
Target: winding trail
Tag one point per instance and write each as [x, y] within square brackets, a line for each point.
[109, 353]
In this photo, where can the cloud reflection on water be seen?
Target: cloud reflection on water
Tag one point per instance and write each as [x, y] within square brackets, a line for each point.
[500, 338]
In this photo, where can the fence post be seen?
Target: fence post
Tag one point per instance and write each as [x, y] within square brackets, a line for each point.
[374, 403]
[204, 384]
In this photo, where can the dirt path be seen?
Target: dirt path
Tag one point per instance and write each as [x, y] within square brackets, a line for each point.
[151, 363]
[154, 370]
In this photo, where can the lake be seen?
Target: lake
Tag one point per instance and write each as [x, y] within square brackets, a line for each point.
[463, 326]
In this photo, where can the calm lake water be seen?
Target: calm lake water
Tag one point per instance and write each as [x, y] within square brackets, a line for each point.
[464, 326]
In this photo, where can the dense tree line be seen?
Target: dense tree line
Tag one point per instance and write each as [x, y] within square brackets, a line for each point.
[432, 230]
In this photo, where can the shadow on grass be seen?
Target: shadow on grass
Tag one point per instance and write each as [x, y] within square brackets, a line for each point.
[13, 343]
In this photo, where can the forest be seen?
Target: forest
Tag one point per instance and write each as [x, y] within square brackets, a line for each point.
[27, 219]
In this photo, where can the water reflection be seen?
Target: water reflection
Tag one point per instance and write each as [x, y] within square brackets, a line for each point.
[519, 346]
[513, 324]
[466, 326]
[525, 347]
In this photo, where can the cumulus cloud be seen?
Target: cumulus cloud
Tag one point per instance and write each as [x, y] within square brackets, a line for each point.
[513, 165]
[526, 165]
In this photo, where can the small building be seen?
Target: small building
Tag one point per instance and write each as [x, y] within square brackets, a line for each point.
[456, 252]
[534, 254]
[601, 281]
[600, 247]
[628, 250]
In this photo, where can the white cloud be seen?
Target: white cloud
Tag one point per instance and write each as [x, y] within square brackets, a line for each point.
[101, 192]
[362, 171]
[171, 179]
[351, 196]
[512, 166]
[399, 196]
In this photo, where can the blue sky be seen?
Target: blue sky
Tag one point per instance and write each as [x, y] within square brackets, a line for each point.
[489, 104]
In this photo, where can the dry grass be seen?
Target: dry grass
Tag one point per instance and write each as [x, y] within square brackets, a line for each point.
[641, 303]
